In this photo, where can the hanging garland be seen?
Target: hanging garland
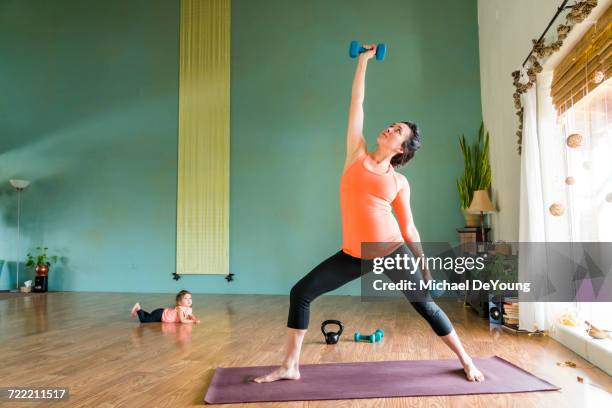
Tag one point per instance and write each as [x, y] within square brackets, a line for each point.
[574, 140]
[579, 11]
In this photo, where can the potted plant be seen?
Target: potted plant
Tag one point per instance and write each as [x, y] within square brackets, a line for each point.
[41, 261]
[476, 173]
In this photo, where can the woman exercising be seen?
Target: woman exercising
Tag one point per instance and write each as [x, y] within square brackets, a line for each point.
[369, 190]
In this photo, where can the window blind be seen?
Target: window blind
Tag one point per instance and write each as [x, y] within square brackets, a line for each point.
[587, 66]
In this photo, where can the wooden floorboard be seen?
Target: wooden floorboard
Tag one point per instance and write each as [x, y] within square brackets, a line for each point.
[88, 343]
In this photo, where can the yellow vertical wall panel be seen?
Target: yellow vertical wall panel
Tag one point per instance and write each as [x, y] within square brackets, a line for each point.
[204, 138]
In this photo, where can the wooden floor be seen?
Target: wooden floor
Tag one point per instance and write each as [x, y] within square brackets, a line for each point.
[87, 342]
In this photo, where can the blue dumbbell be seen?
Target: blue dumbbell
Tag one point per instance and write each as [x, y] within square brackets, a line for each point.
[372, 338]
[355, 49]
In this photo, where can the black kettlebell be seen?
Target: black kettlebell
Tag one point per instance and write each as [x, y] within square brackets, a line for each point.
[332, 337]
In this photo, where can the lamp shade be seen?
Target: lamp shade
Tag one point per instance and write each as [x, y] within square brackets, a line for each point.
[481, 203]
[19, 184]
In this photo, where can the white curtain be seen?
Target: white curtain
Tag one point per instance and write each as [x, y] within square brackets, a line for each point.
[546, 162]
[589, 198]
[542, 165]
[532, 315]
[590, 165]
[531, 227]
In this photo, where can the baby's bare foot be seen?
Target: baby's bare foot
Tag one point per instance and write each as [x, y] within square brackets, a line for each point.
[281, 373]
[135, 310]
[472, 373]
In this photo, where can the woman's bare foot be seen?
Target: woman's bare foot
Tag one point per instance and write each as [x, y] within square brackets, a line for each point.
[472, 373]
[281, 373]
[135, 310]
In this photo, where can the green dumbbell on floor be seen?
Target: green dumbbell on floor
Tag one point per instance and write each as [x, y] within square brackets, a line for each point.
[372, 338]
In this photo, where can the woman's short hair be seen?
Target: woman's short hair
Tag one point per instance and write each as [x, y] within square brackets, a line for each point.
[410, 146]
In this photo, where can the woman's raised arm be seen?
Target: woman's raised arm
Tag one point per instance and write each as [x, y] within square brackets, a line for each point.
[355, 142]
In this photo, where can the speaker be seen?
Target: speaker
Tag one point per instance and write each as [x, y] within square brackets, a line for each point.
[40, 284]
[495, 311]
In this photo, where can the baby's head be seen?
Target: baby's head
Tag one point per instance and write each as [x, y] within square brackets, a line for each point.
[183, 298]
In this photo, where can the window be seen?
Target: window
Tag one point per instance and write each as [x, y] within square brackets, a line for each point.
[589, 193]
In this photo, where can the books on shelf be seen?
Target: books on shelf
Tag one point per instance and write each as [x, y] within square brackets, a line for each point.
[511, 313]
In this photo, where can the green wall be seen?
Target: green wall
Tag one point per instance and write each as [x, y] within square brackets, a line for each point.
[89, 113]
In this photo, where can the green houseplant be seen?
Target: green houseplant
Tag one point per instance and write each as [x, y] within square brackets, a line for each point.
[476, 172]
[41, 261]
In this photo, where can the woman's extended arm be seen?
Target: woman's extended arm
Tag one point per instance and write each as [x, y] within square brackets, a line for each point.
[355, 142]
[403, 212]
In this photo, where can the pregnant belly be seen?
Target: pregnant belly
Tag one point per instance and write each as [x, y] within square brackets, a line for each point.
[382, 230]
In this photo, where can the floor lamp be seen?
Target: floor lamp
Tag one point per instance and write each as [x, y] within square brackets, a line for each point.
[19, 185]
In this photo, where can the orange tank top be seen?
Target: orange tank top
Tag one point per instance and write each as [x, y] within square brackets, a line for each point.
[365, 203]
[171, 314]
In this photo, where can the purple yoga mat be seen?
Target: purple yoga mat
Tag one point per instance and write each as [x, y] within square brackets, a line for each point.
[372, 380]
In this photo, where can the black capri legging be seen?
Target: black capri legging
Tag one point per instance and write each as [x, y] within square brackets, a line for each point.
[342, 268]
[153, 317]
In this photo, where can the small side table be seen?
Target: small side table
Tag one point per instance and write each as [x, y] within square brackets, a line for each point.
[469, 236]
